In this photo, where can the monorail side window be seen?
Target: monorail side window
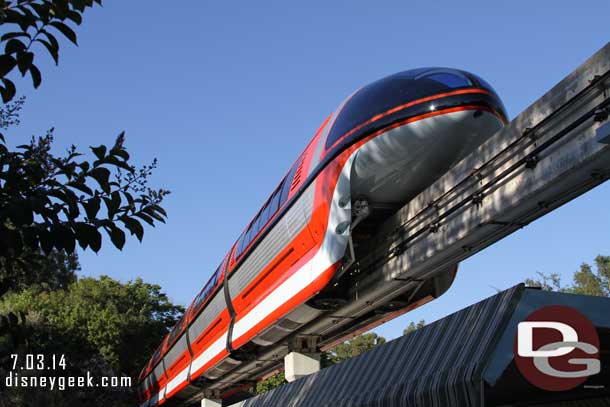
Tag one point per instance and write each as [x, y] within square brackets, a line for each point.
[157, 355]
[240, 245]
[257, 225]
[287, 182]
[176, 331]
[209, 287]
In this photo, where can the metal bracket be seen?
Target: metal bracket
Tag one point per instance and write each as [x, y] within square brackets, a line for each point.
[304, 344]
[505, 223]
[211, 394]
[529, 133]
[360, 209]
[531, 162]
[601, 115]
[477, 198]
[603, 133]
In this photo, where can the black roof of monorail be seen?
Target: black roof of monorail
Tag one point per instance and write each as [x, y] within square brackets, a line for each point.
[464, 359]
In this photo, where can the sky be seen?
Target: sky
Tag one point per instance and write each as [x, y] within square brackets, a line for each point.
[226, 95]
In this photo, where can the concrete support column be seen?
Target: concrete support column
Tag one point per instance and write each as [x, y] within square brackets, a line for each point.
[297, 365]
[210, 403]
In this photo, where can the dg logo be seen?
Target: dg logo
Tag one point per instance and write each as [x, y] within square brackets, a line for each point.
[557, 348]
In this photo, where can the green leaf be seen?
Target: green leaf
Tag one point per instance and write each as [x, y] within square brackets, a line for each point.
[20, 18]
[96, 241]
[101, 175]
[112, 160]
[13, 46]
[92, 206]
[53, 51]
[52, 40]
[117, 236]
[36, 77]
[113, 203]
[9, 36]
[134, 227]
[84, 166]
[100, 151]
[8, 91]
[159, 209]
[81, 186]
[7, 63]
[24, 61]
[151, 212]
[88, 235]
[64, 238]
[65, 30]
[130, 200]
[46, 240]
[120, 153]
[75, 16]
[145, 218]
[42, 10]
[79, 5]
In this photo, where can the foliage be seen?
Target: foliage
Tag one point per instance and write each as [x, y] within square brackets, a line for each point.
[585, 281]
[270, 383]
[9, 113]
[354, 347]
[52, 202]
[103, 326]
[122, 322]
[48, 204]
[52, 272]
[35, 24]
[412, 327]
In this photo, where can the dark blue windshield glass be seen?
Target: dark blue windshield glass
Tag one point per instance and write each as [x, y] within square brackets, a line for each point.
[450, 79]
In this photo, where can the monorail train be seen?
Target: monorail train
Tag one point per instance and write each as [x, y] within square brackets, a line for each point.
[283, 282]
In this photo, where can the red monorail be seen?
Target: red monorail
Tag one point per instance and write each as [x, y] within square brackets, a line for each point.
[382, 146]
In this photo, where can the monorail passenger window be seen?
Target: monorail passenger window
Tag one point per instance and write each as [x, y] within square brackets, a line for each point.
[249, 235]
[265, 214]
[157, 355]
[279, 196]
[257, 225]
[209, 287]
[273, 204]
[287, 182]
[176, 331]
[240, 245]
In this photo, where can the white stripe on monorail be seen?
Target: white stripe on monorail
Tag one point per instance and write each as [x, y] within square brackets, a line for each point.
[154, 399]
[332, 250]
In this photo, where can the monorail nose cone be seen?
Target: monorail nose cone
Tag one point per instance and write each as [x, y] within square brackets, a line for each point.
[416, 124]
